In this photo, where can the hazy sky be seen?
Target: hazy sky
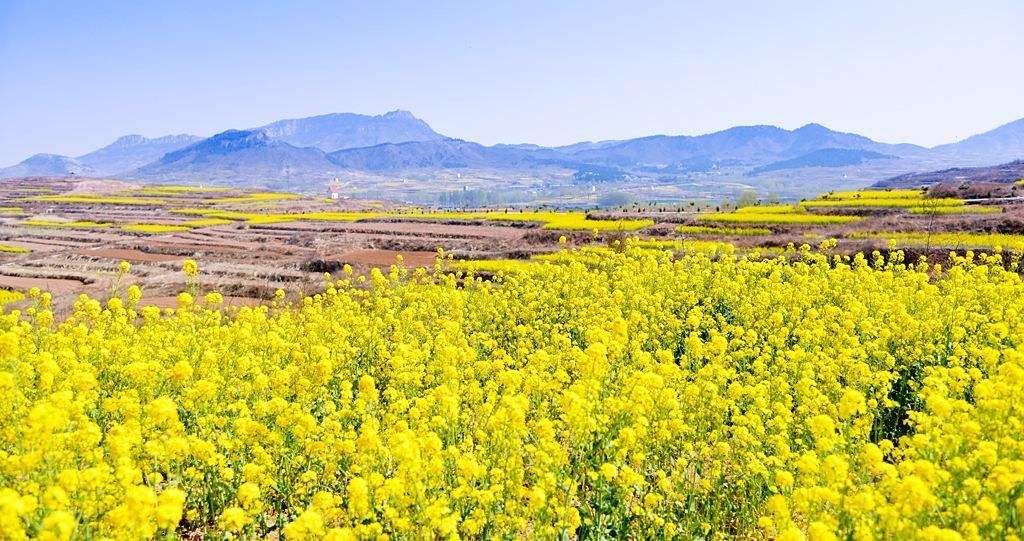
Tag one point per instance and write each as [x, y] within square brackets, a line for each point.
[76, 75]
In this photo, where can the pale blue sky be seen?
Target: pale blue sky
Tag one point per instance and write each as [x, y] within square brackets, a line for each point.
[76, 75]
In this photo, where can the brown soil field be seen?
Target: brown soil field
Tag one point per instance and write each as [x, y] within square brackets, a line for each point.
[53, 285]
[101, 186]
[383, 258]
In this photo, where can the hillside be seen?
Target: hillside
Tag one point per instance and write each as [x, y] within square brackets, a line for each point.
[442, 154]
[238, 155]
[46, 165]
[826, 157]
[1004, 174]
[1003, 144]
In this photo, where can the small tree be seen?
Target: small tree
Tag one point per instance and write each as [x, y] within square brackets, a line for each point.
[747, 198]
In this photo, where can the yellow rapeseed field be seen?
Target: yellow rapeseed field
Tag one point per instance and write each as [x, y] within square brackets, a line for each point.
[568, 220]
[630, 393]
[723, 231]
[154, 228]
[890, 202]
[782, 216]
[74, 224]
[955, 241]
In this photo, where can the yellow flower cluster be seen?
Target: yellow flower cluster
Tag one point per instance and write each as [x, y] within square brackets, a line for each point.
[587, 255]
[768, 209]
[7, 296]
[886, 202]
[784, 215]
[626, 393]
[76, 224]
[956, 241]
[154, 228]
[725, 231]
[914, 201]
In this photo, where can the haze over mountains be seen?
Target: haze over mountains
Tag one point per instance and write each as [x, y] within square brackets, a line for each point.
[305, 153]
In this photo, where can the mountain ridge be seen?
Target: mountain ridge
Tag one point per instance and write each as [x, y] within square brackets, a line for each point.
[237, 155]
[132, 151]
[308, 149]
[338, 131]
[825, 157]
[43, 164]
[1001, 144]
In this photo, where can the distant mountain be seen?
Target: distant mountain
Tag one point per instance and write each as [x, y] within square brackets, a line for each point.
[339, 131]
[238, 155]
[1004, 174]
[443, 154]
[133, 151]
[1003, 144]
[750, 145]
[587, 145]
[826, 157]
[301, 153]
[46, 165]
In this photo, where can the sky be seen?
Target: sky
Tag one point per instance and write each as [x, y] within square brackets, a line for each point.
[74, 76]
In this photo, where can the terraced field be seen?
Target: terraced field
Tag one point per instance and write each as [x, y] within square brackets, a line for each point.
[69, 236]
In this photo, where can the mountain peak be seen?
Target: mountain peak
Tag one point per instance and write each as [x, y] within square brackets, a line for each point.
[136, 140]
[813, 127]
[46, 165]
[129, 140]
[399, 114]
[238, 155]
[222, 143]
[255, 135]
[339, 131]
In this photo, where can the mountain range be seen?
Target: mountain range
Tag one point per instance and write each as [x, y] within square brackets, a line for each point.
[304, 153]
